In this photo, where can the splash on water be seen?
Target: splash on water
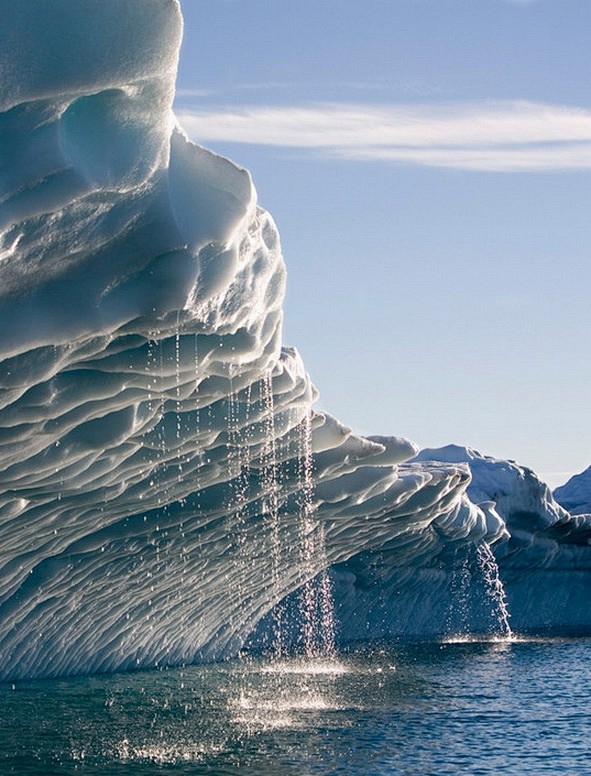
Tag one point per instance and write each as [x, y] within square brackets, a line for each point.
[306, 666]
[285, 693]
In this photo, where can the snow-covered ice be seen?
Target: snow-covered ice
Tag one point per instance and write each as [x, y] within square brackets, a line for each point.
[575, 495]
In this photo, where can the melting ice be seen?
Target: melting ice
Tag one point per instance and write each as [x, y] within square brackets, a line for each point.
[164, 482]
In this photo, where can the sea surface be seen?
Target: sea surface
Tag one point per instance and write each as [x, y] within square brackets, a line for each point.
[505, 707]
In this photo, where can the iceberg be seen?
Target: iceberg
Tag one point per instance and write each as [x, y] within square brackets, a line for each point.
[575, 495]
[164, 479]
[541, 580]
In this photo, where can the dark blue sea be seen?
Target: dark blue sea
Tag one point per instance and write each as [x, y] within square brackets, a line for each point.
[520, 707]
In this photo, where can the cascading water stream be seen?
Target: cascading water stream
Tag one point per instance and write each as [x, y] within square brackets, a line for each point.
[269, 693]
[316, 600]
[457, 624]
[178, 404]
[494, 588]
[238, 459]
[270, 488]
[308, 593]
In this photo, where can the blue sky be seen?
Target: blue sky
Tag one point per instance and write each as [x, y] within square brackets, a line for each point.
[428, 163]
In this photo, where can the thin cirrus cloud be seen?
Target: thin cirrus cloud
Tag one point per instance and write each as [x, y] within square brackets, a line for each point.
[493, 136]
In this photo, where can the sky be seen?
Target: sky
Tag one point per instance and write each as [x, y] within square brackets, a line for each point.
[428, 164]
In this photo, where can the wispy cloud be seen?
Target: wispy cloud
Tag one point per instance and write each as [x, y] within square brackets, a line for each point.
[193, 92]
[412, 87]
[508, 136]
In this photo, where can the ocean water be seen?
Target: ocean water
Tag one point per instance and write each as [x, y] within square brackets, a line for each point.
[520, 707]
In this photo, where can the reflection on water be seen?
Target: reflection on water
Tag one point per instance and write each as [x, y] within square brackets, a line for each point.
[463, 707]
[468, 638]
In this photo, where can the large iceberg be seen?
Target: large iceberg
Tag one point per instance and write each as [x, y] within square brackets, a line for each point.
[164, 481]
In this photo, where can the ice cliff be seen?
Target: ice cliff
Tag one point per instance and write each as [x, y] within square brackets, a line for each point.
[164, 481]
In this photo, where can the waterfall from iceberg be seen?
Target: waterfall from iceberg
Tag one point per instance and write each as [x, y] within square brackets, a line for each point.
[490, 571]
[316, 600]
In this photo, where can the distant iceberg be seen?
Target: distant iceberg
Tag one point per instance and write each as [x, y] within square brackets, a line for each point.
[575, 495]
[164, 482]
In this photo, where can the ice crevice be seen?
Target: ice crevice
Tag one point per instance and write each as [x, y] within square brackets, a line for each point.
[153, 429]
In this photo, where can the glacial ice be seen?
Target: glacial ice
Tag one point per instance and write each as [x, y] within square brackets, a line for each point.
[157, 442]
[575, 495]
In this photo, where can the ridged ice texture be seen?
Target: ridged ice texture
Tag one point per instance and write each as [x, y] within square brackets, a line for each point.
[526, 505]
[153, 432]
[544, 562]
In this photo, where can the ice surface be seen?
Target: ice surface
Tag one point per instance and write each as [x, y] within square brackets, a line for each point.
[155, 437]
[575, 495]
[543, 556]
